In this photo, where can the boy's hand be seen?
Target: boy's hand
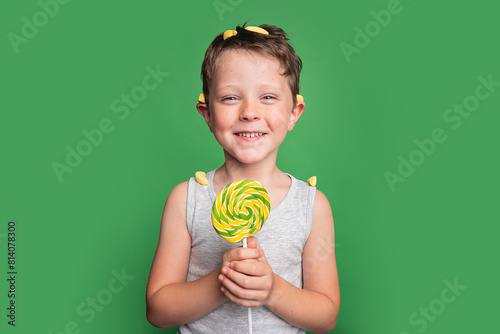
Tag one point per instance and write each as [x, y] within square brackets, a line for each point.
[246, 277]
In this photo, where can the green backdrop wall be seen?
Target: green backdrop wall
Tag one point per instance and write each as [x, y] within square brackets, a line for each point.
[400, 128]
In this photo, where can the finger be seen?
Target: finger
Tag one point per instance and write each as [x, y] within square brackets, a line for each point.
[239, 301]
[252, 268]
[236, 290]
[239, 295]
[240, 254]
[246, 281]
[253, 243]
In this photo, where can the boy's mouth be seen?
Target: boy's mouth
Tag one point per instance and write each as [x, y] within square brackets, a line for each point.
[249, 134]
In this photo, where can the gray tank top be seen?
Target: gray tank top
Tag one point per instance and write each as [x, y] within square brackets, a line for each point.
[282, 238]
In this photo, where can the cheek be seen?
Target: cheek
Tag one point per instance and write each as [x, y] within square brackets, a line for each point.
[220, 122]
[281, 126]
[283, 121]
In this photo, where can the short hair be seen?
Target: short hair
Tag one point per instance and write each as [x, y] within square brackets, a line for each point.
[275, 45]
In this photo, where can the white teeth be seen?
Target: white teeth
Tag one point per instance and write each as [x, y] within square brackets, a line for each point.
[249, 134]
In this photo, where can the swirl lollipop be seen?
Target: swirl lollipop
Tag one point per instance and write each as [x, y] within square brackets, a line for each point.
[240, 210]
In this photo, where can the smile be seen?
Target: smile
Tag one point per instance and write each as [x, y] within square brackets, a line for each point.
[250, 134]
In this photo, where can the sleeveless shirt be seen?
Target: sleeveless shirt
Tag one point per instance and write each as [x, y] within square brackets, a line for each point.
[282, 239]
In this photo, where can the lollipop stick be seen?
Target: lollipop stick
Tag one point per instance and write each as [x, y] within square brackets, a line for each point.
[249, 320]
[249, 309]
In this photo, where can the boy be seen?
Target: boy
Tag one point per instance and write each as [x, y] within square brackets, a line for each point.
[288, 273]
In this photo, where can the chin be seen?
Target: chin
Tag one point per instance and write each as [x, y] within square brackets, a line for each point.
[249, 160]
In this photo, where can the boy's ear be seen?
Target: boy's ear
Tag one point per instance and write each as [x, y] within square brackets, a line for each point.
[295, 114]
[203, 110]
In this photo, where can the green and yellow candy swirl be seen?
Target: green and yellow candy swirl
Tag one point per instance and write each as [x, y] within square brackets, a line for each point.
[240, 210]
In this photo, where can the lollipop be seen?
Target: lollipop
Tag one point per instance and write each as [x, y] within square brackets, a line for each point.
[240, 210]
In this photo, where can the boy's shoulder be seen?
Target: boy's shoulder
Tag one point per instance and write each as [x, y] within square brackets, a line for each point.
[179, 192]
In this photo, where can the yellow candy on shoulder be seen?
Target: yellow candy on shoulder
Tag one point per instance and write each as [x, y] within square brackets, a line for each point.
[312, 181]
[201, 178]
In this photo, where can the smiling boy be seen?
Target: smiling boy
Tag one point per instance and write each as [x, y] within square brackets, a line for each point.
[202, 283]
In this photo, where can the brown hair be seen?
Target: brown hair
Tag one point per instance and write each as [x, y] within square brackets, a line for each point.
[275, 45]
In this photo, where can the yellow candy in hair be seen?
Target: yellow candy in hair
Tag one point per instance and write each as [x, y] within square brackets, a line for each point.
[229, 33]
[240, 210]
[258, 30]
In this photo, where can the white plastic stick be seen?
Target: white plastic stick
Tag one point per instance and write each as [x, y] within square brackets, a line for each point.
[249, 309]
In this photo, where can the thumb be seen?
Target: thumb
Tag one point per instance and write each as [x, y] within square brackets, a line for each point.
[253, 243]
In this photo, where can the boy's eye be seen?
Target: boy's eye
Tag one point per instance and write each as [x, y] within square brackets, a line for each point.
[229, 98]
[268, 97]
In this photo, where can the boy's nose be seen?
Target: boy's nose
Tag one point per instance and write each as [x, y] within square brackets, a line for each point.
[249, 112]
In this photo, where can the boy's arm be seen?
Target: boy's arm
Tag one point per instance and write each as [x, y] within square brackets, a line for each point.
[171, 300]
[316, 306]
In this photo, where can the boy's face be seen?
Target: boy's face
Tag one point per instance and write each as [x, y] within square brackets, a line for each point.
[251, 106]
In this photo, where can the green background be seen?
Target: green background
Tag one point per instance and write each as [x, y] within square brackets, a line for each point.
[395, 247]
